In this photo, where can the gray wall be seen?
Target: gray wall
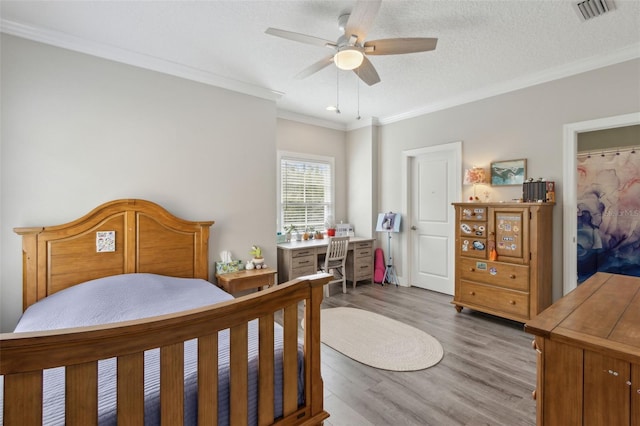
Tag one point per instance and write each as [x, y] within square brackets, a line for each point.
[609, 139]
[78, 131]
[527, 123]
[293, 136]
[362, 149]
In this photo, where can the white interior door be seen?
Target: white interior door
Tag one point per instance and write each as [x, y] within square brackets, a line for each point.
[434, 186]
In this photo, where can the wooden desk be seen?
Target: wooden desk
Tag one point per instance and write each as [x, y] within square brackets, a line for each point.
[299, 258]
[588, 346]
[234, 282]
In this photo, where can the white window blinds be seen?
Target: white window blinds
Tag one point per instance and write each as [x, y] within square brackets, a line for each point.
[306, 192]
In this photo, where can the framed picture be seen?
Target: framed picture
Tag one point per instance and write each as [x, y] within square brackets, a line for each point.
[510, 172]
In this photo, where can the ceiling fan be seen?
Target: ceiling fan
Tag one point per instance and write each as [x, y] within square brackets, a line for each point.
[351, 49]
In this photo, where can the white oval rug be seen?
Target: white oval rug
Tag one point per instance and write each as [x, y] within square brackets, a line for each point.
[378, 341]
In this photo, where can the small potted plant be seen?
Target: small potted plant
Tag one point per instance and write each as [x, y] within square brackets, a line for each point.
[331, 226]
[256, 252]
[308, 233]
[288, 231]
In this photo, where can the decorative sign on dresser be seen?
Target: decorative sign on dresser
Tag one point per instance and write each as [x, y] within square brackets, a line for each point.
[504, 258]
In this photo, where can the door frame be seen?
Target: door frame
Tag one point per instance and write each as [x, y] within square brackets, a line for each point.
[407, 155]
[569, 194]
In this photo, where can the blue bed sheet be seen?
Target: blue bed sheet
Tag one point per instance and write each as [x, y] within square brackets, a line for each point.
[134, 296]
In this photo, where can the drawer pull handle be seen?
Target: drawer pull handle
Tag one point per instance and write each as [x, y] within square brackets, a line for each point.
[533, 395]
[512, 302]
[535, 347]
[512, 276]
[473, 293]
[305, 262]
[472, 269]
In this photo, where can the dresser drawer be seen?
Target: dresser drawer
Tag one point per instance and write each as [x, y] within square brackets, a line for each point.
[473, 213]
[303, 253]
[500, 274]
[302, 271]
[473, 247]
[498, 299]
[364, 262]
[473, 229]
[302, 261]
[363, 269]
[360, 263]
[363, 249]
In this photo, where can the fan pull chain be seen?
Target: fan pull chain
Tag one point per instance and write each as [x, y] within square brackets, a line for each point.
[358, 89]
[337, 90]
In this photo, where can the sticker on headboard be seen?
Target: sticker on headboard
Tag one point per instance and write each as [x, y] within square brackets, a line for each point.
[105, 241]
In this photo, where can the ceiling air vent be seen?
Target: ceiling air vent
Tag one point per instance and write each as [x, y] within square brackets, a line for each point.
[588, 9]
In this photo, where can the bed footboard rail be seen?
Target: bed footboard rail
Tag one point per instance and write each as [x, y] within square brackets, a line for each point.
[24, 357]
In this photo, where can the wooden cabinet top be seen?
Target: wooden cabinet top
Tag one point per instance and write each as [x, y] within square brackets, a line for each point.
[505, 204]
[602, 314]
[245, 273]
[322, 242]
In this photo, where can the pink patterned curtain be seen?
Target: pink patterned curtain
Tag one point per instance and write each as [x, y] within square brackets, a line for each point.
[609, 213]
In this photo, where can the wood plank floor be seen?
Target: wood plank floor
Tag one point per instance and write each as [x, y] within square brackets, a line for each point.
[485, 378]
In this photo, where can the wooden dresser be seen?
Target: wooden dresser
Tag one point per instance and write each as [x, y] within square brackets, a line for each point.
[588, 346]
[514, 282]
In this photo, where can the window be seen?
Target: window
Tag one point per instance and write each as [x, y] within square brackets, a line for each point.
[306, 190]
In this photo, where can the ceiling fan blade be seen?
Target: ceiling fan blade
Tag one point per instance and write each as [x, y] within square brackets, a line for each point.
[314, 68]
[302, 38]
[361, 18]
[367, 72]
[394, 46]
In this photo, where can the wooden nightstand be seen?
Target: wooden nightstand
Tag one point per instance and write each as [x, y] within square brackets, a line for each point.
[234, 282]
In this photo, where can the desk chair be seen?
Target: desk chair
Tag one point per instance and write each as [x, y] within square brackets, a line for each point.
[334, 262]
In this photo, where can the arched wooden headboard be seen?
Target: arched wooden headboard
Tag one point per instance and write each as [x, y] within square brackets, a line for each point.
[147, 239]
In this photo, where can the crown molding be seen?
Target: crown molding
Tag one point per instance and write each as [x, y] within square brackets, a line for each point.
[364, 122]
[66, 41]
[77, 44]
[622, 55]
[307, 119]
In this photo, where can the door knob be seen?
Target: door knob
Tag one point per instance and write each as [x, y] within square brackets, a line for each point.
[413, 228]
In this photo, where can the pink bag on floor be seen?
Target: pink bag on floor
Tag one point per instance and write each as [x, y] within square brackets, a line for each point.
[379, 266]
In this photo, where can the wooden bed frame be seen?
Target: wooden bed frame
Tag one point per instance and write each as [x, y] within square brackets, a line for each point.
[150, 239]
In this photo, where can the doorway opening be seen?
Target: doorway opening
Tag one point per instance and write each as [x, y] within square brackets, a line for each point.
[570, 196]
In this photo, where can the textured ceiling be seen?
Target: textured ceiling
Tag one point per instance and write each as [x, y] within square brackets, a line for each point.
[484, 47]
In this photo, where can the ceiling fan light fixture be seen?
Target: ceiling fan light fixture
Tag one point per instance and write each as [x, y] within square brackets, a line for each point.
[348, 58]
